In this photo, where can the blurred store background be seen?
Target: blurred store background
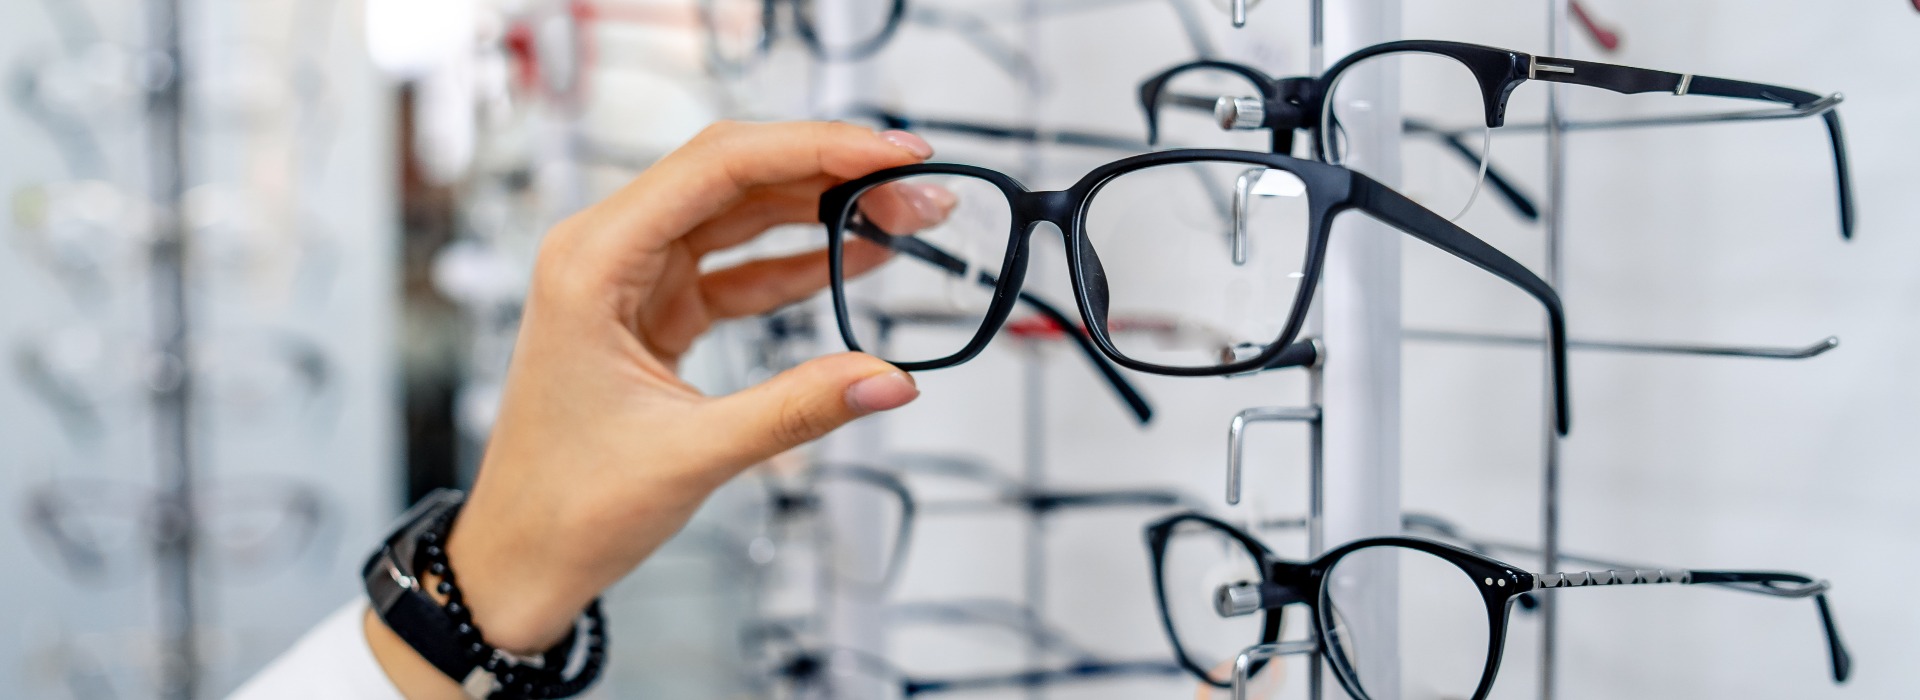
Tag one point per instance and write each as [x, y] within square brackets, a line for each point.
[364, 184]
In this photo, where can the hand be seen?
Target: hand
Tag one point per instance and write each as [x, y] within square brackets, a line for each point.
[601, 453]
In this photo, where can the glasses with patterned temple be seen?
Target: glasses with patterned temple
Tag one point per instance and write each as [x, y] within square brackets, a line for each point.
[1223, 595]
[1142, 240]
[1456, 95]
[787, 665]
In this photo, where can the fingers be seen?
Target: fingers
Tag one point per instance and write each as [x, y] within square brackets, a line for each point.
[725, 163]
[762, 209]
[760, 286]
[901, 208]
[802, 404]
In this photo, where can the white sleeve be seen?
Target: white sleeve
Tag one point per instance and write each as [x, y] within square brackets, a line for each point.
[333, 662]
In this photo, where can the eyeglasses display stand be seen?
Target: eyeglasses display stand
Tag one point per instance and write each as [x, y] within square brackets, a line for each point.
[172, 390]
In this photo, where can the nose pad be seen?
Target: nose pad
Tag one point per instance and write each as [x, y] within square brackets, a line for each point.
[1094, 280]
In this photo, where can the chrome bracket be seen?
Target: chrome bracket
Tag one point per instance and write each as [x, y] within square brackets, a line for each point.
[1237, 437]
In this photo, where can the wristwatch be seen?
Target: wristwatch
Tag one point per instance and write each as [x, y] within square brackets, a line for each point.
[399, 596]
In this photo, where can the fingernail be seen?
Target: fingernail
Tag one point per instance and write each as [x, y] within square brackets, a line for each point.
[881, 392]
[911, 143]
[930, 203]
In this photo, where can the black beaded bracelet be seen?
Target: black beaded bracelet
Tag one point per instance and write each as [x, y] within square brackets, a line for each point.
[514, 679]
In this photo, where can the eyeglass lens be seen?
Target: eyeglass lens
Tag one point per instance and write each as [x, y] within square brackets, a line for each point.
[1214, 250]
[1436, 94]
[965, 217]
[1439, 615]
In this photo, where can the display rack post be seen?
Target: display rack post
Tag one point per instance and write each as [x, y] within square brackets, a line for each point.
[169, 372]
[1557, 38]
[1358, 386]
[851, 619]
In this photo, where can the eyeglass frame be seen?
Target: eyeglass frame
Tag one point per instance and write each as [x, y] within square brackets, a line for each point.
[1297, 103]
[1331, 190]
[1500, 584]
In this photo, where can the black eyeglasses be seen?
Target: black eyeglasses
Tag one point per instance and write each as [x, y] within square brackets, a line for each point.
[1221, 591]
[789, 668]
[868, 562]
[739, 31]
[1451, 85]
[1141, 241]
[100, 531]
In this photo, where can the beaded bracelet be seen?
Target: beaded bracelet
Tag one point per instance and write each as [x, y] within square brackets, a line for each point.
[514, 678]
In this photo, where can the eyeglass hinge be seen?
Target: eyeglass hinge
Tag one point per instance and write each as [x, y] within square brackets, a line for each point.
[1686, 81]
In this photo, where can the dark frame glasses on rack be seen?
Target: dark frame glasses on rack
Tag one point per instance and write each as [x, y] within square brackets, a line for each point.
[1283, 583]
[1287, 105]
[803, 26]
[1328, 190]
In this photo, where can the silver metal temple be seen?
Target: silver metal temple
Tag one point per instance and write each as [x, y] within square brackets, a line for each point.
[1237, 437]
[1810, 109]
[1611, 577]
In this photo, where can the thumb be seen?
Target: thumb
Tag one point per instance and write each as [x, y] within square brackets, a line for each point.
[805, 403]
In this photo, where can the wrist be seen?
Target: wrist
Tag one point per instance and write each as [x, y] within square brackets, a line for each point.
[521, 603]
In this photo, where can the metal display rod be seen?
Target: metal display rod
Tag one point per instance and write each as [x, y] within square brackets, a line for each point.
[169, 375]
[1358, 386]
[1555, 227]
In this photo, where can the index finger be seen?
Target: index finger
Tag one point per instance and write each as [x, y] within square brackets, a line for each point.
[725, 161]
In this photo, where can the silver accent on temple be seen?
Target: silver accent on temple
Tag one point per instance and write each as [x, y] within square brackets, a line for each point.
[1611, 577]
[1535, 68]
[1686, 81]
[1237, 599]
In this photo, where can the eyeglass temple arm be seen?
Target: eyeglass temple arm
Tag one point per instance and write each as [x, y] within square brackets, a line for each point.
[926, 252]
[1396, 210]
[1064, 137]
[1804, 352]
[1153, 94]
[1087, 670]
[1774, 583]
[1629, 80]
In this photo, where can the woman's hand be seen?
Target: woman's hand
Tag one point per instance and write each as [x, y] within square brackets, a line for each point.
[601, 452]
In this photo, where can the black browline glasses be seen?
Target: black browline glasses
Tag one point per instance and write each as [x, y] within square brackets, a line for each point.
[1142, 240]
[1222, 596]
[1469, 85]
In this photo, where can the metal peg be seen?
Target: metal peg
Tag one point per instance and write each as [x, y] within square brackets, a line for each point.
[1811, 350]
[1242, 202]
[1237, 432]
[1243, 664]
[1240, 113]
[1239, 13]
